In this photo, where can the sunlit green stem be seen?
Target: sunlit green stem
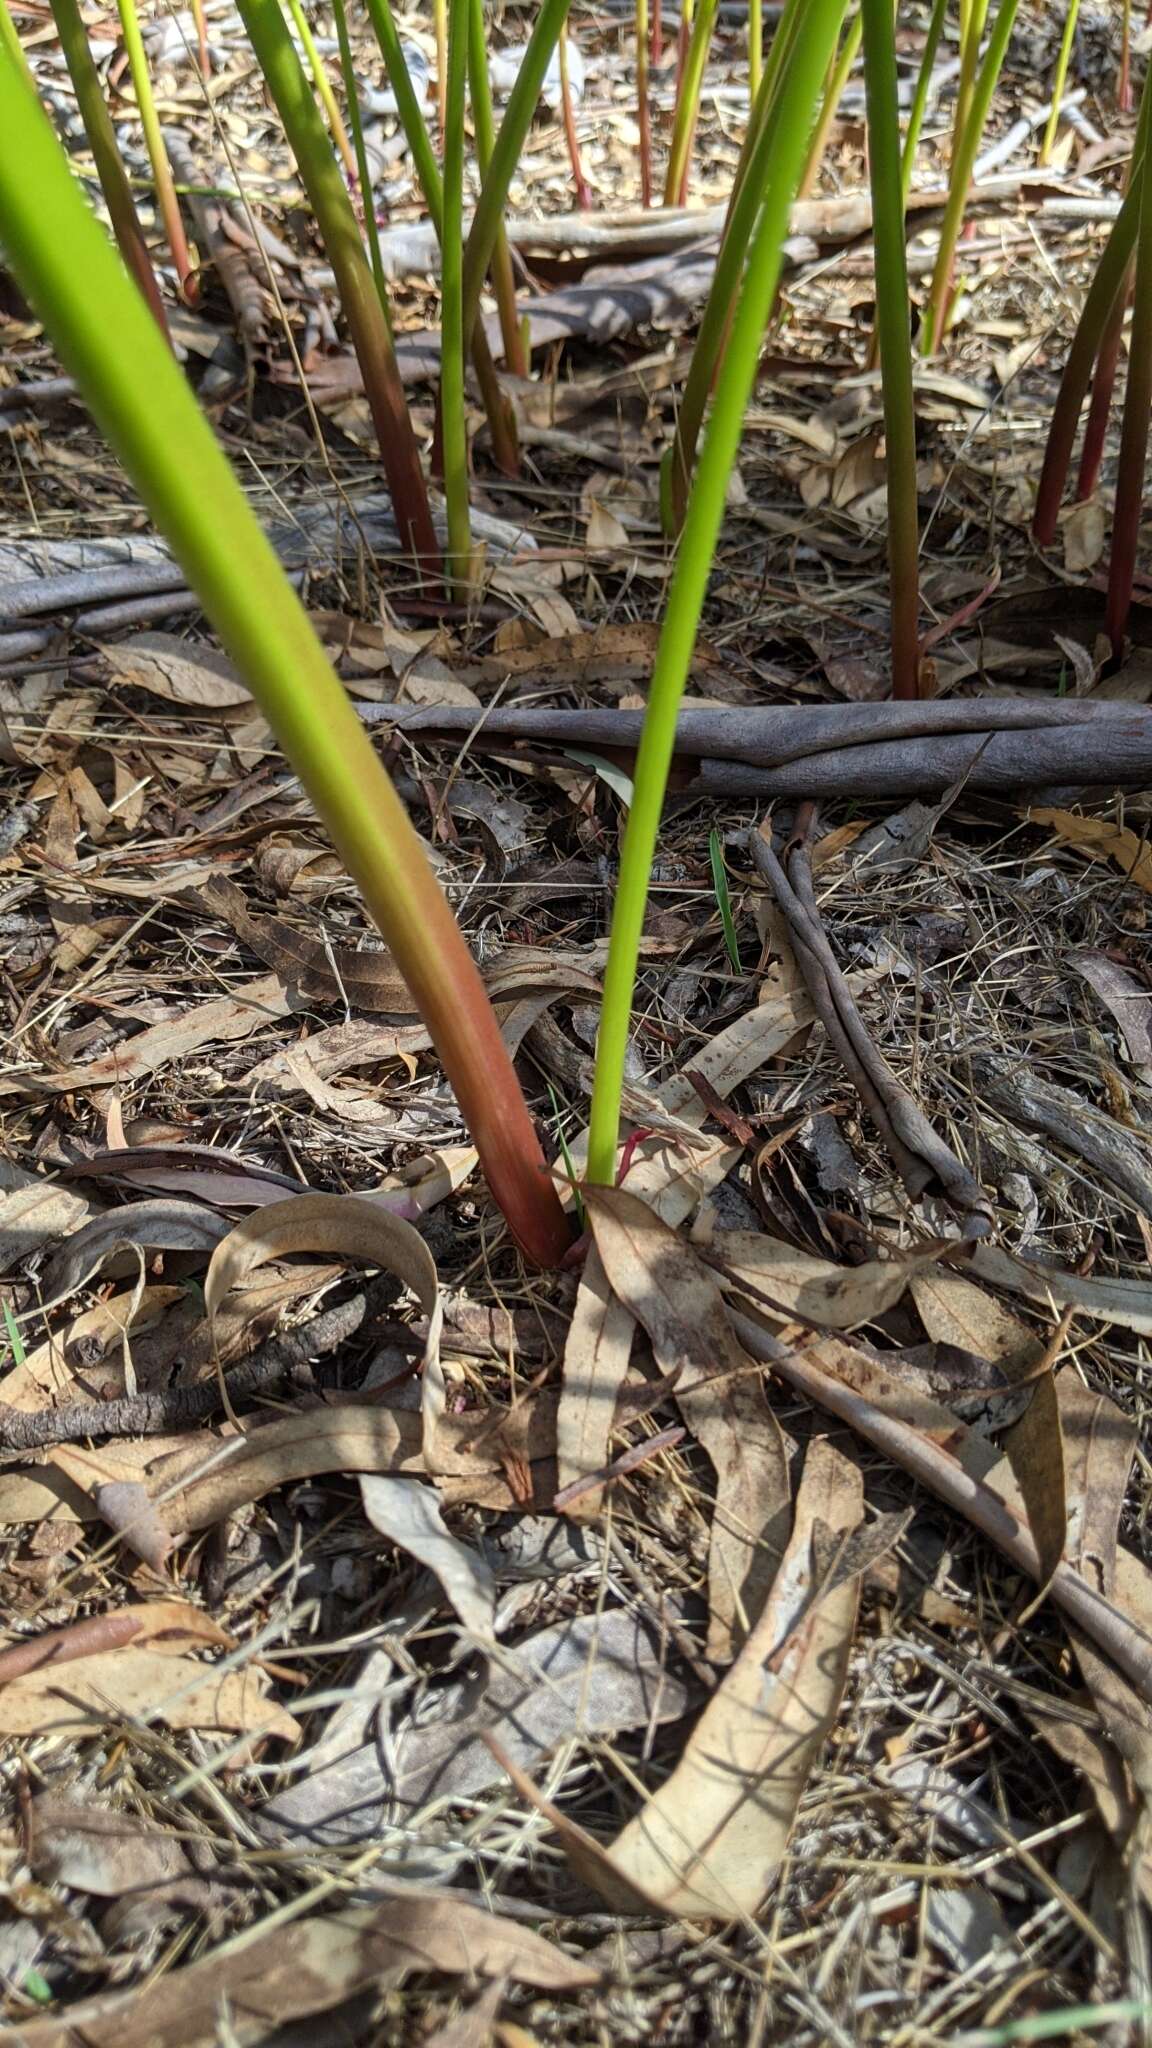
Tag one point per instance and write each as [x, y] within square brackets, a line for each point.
[440, 32]
[323, 84]
[140, 398]
[973, 16]
[960, 175]
[510, 138]
[105, 153]
[1059, 80]
[363, 168]
[166, 199]
[336, 221]
[893, 333]
[834, 92]
[453, 418]
[919, 105]
[688, 102]
[484, 126]
[815, 40]
[752, 172]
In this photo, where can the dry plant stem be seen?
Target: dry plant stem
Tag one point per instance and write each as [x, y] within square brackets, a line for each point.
[1134, 431]
[323, 86]
[453, 419]
[960, 178]
[922, 1159]
[579, 181]
[643, 107]
[657, 31]
[1107, 284]
[283, 1358]
[166, 198]
[204, 55]
[1100, 404]
[1059, 77]
[943, 1475]
[894, 338]
[106, 154]
[919, 105]
[367, 323]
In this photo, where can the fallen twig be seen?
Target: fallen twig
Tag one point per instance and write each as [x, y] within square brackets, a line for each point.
[922, 1159]
[173, 1408]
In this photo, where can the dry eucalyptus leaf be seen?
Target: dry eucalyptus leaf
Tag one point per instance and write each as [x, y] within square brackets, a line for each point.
[1101, 839]
[35, 1215]
[141, 1683]
[720, 1394]
[1082, 529]
[1128, 1000]
[181, 670]
[350, 1227]
[1034, 1448]
[158, 1225]
[838, 1297]
[954, 1311]
[1127, 1302]
[61, 1367]
[710, 1841]
[266, 1981]
[407, 1512]
[222, 1021]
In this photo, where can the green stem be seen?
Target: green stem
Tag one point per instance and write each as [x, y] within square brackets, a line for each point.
[363, 168]
[1058, 81]
[814, 42]
[688, 102]
[834, 92]
[755, 47]
[960, 176]
[893, 334]
[643, 107]
[752, 172]
[510, 138]
[453, 418]
[323, 86]
[106, 155]
[371, 338]
[483, 123]
[166, 200]
[920, 96]
[140, 398]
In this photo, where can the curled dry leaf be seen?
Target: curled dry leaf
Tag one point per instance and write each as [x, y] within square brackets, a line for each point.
[168, 667]
[1127, 999]
[720, 1394]
[350, 1227]
[709, 1842]
[266, 1981]
[817, 1290]
[37, 1214]
[170, 1226]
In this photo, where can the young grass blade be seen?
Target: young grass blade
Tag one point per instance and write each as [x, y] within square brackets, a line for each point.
[323, 85]
[815, 39]
[107, 341]
[363, 168]
[106, 153]
[920, 96]
[484, 128]
[894, 336]
[688, 104]
[166, 200]
[453, 417]
[367, 325]
[1058, 80]
[755, 47]
[833, 94]
[960, 176]
[723, 897]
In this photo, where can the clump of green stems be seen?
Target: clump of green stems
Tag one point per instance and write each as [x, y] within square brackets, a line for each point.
[138, 395]
[105, 150]
[166, 200]
[816, 29]
[974, 101]
[723, 897]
